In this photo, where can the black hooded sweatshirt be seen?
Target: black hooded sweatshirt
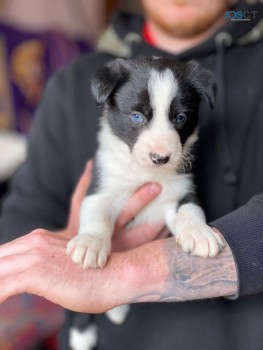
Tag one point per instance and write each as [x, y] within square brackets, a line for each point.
[229, 177]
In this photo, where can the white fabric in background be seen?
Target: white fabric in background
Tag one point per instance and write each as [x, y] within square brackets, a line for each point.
[12, 153]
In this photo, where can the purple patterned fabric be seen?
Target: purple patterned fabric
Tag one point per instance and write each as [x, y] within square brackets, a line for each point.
[30, 59]
[26, 320]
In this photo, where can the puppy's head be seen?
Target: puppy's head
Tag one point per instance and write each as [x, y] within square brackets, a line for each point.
[151, 104]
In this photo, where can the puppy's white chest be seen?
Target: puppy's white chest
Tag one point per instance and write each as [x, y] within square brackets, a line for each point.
[173, 189]
[120, 180]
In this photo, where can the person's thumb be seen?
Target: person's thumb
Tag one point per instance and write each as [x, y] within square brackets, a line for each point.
[77, 198]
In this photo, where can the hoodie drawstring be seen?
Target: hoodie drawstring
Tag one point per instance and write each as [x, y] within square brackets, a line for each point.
[222, 40]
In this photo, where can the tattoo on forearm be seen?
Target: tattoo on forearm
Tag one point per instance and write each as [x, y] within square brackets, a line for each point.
[197, 278]
[190, 277]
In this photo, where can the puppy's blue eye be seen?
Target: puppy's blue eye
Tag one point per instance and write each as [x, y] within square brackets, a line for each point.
[180, 119]
[137, 118]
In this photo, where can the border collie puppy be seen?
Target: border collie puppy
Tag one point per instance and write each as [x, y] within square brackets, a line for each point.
[148, 127]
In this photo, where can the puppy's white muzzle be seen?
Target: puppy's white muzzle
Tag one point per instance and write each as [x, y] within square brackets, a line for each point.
[158, 149]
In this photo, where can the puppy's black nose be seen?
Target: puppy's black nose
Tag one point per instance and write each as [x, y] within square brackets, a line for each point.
[158, 159]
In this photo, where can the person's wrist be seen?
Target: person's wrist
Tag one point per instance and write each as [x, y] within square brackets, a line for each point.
[119, 276]
[141, 269]
[65, 233]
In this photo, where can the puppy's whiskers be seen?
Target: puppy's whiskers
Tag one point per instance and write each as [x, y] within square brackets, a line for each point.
[186, 162]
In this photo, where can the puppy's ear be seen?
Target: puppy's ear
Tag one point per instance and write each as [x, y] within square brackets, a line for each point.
[203, 80]
[108, 79]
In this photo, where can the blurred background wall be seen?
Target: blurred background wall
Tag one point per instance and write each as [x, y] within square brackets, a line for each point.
[81, 19]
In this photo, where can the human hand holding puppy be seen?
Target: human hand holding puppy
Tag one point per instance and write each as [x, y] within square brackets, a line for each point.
[123, 239]
[37, 264]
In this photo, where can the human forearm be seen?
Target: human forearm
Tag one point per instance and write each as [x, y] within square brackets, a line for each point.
[157, 271]
[161, 271]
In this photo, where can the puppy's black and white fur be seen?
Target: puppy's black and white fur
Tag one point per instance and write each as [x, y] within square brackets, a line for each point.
[149, 124]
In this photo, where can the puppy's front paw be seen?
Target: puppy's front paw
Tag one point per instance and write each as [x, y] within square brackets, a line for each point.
[89, 251]
[200, 240]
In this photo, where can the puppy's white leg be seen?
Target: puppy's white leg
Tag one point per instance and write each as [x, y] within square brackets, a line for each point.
[83, 340]
[118, 314]
[191, 231]
[91, 247]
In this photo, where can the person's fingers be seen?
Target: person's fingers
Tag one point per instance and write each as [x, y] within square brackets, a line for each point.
[25, 273]
[164, 233]
[14, 247]
[82, 185]
[76, 201]
[37, 238]
[137, 202]
[17, 273]
[38, 265]
[16, 283]
[136, 236]
[8, 251]
[16, 263]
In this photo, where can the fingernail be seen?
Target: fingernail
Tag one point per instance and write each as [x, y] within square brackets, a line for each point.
[155, 188]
